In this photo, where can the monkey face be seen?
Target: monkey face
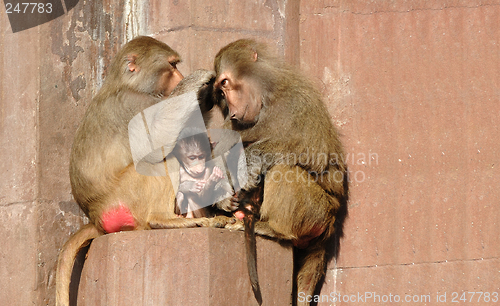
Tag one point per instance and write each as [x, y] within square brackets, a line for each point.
[193, 160]
[170, 78]
[241, 96]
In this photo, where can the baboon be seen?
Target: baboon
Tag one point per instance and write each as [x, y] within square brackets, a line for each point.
[197, 179]
[292, 147]
[104, 181]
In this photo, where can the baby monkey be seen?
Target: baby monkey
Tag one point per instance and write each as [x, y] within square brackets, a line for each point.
[197, 175]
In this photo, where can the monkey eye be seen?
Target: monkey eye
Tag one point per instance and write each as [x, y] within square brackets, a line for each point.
[224, 83]
[219, 91]
[174, 63]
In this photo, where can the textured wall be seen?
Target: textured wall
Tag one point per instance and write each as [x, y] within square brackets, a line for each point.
[414, 88]
[50, 73]
[412, 85]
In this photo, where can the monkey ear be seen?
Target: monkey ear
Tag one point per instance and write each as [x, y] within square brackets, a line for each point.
[255, 56]
[132, 66]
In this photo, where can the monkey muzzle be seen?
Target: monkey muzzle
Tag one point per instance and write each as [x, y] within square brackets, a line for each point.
[195, 170]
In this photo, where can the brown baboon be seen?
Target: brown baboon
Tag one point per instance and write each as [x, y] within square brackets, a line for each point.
[197, 179]
[104, 181]
[290, 144]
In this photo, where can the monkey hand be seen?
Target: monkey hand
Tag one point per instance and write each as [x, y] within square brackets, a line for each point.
[227, 205]
[216, 175]
[222, 221]
[192, 186]
[235, 201]
[194, 81]
[198, 187]
[237, 225]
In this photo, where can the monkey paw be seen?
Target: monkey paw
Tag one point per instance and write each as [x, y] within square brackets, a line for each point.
[221, 221]
[235, 226]
[228, 204]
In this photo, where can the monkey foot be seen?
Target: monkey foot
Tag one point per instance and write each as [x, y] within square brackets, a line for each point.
[221, 221]
[235, 226]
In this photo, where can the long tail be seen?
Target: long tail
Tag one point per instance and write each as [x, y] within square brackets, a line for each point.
[67, 258]
[249, 204]
[251, 250]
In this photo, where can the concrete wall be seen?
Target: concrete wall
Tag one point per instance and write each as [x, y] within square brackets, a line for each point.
[413, 86]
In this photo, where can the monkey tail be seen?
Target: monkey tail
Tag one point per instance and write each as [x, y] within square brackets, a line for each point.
[67, 258]
[251, 250]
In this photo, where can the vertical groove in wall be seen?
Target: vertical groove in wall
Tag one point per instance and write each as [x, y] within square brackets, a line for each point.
[292, 32]
[136, 17]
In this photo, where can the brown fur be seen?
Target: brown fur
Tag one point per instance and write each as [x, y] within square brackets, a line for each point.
[101, 168]
[301, 198]
[102, 172]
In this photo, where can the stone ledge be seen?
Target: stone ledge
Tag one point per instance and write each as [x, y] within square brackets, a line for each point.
[197, 266]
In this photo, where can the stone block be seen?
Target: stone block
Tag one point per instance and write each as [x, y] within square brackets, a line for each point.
[200, 266]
